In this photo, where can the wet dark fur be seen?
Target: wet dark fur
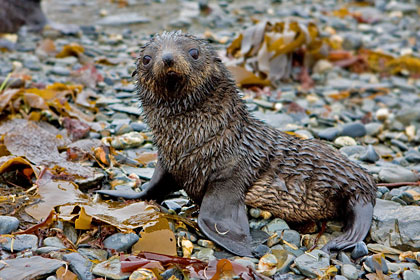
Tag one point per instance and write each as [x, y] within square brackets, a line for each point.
[16, 13]
[206, 137]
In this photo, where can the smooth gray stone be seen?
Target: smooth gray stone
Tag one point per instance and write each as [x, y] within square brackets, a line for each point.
[110, 269]
[354, 129]
[29, 268]
[350, 271]
[80, 265]
[313, 265]
[21, 242]
[54, 242]
[388, 216]
[8, 224]
[396, 173]
[123, 19]
[120, 241]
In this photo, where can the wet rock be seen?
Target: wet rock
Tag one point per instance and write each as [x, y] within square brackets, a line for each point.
[70, 231]
[291, 236]
[8, 224]
[370, 155]
[314, 264]
[47, 249]
[260, 250]
[322, 66]
[359, 250]
[79, 265]
[205, 254]
[345, 141]
[120, 241]
[403, 147]
[60, 71]
[125, 109]
[142, 274]
[29, 268]
[110, 269]
[21, 242]
[329, 133]
[275, 225]
[123, 19]
[352, 41]
[144, 173]
[342, 257]
[397, 173]
[371, 265]
[93, 254]
[267, 265]
[138, 126]
[126, 141]
[395, 267]
[389, 216]
[355, 129]
[279, 121]
[350, 271]
[353, 150]
[172, 273]
[54, 242]
[373, 128]
[412, 274]
[340, 277]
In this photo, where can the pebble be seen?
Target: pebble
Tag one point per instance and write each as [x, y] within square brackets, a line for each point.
[355, 129]
[142, 274]
[172, 274]
[21, 242]
[123, 19]
[54, 242]
[28, 268]
[110, 269]
[413, 274]
[329, 133]
[60, 71]
[79, 265]
[267, 265]
[349, 271]
[370, 265]
[8, 224]
[261, 250]
[396, 174]
[370, 155]
[387, 216]
[93, 254]
[275, 225]
[359, 250]
[313, 264]
[345, 141]
[121, 242]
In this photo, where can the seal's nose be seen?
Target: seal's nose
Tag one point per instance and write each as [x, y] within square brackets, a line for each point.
[168, 59]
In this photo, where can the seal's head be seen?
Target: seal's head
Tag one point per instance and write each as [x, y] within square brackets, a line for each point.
[173, 64]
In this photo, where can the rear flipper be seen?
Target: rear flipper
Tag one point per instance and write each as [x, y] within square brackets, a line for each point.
[359, 218]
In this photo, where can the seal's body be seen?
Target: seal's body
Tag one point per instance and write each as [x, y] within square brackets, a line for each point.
[16, 13]
[210, 145]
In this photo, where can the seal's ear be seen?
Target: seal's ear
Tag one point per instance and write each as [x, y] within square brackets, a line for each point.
[134, 73]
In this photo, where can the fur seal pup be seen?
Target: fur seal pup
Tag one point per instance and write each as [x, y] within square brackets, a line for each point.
[210, 146]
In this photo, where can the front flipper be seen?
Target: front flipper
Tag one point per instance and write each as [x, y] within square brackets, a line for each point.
[161, 184]
[223, 219]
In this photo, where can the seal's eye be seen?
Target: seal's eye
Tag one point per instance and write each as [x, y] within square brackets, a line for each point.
[193, 53]
[146, 59]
